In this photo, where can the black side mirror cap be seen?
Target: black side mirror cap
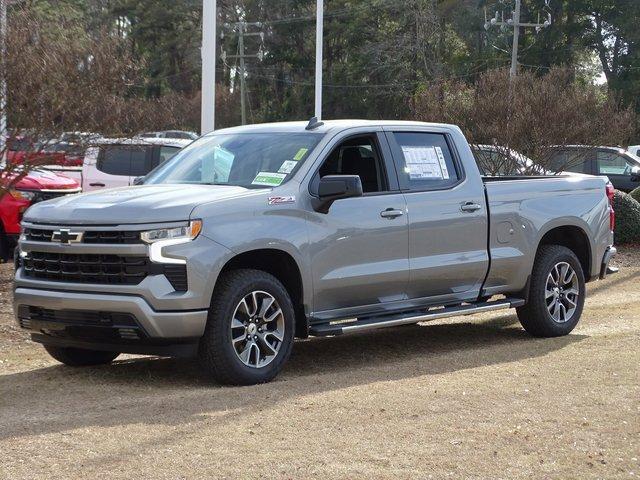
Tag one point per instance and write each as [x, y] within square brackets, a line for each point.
[138, 180]
[337, 187]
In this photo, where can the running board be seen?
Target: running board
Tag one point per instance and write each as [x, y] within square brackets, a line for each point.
[359, 325]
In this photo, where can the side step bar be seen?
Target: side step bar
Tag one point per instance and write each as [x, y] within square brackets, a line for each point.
[370, 323]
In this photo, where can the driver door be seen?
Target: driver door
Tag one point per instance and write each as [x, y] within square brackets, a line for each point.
[359, 249]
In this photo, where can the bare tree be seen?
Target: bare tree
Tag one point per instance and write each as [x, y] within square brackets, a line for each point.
[531, 115]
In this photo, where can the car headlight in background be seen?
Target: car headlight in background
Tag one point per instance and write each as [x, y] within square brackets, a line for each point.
[165, 237]
[22, 195]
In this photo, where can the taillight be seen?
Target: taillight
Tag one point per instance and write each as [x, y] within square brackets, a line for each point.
[612, 214]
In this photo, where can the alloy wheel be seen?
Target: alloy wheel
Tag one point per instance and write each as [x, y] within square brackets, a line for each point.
[257, 329]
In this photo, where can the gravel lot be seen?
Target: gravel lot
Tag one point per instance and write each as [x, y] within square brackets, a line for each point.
[470, 397]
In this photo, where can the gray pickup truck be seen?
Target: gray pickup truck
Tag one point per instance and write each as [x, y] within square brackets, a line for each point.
[254, 235]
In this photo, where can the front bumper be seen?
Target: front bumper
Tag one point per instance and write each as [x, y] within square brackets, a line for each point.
[154, 324]
[132, 318]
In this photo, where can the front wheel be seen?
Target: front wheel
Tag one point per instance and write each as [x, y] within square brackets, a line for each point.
[556, 293]
[250, 329]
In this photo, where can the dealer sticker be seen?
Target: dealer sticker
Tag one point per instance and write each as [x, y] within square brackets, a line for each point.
[287, 166]
[269, 179]
[300, 154]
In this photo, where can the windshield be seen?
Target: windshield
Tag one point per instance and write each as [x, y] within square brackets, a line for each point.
[252, 160]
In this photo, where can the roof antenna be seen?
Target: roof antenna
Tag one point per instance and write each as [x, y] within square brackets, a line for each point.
[313, 124]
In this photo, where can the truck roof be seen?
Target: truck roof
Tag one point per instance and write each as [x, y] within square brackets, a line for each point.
[327, 126]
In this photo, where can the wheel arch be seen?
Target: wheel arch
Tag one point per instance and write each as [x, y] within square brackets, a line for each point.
[284, 267]
[573, 237]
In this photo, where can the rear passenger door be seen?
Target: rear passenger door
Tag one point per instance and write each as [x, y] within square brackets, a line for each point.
[116, 166]
[448, 221]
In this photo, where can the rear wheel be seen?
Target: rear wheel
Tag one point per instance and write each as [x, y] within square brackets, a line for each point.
[79, 357]
[556, 294]
[250, 329]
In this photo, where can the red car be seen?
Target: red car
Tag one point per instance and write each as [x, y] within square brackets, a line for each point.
[24, 150]
[36, 186]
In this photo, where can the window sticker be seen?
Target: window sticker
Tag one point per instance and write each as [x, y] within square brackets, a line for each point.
[287, 166]
[425, 163]
[443, 163]
[269, 179]
[300, 154]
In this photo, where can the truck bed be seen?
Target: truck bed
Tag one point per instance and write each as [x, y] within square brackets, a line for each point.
[523, 209]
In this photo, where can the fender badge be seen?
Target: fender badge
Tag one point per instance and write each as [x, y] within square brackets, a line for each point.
[281, 200]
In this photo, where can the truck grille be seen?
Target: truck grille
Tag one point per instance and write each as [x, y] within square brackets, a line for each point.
[99, 269]
[42, 195]
[86, 268]
[104, 237]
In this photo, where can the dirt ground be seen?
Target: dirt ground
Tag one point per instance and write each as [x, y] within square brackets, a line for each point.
[470, 397]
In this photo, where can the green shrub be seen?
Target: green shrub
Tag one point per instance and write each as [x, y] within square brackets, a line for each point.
[636, 194]
[627, 218]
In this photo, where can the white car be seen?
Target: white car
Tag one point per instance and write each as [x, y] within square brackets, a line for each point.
[634, 149]
[116, 162]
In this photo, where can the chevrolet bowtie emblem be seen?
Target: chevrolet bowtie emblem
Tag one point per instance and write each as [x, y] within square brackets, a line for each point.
[64, 235]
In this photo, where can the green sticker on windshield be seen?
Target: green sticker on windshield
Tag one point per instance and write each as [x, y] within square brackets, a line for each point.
[301, 153]
[269, 179]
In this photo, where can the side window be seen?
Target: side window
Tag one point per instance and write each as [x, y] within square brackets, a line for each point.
[426, 161]
[610, 163]
[139, 164]
[358, 156]
[165, 153]
[114, 160]
[123, 160]
[569, 161]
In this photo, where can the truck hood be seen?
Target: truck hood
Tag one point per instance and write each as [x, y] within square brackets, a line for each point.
[129, 205]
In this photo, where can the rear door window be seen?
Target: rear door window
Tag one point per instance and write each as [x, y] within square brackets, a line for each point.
[424, 161]
[569, 161]
[124, 160]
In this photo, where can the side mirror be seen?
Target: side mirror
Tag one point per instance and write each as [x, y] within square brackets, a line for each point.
[337, 187]
[138, 180]
[635, 174]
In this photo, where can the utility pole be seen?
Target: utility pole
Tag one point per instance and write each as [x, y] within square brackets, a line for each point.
[241, 28]
[513, 71]
[208, 53]
[319, 35]
[514, 21]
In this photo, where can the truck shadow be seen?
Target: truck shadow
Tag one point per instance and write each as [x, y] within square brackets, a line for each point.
[172, 392]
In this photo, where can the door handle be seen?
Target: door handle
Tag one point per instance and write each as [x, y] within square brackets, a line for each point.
[391, 213]
[96, 184]
[470, 207]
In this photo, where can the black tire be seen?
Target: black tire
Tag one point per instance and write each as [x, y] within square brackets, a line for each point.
[535, 316]
[79, 357]
[216, 352]
[5, 249]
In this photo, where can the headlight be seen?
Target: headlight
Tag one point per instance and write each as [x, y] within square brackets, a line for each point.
[22, 195]
[187, 232]
[165, 237]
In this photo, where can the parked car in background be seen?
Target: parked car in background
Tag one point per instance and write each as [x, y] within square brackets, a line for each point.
[634, 149]
[620, 165]
[34, 187]
[117, 162]
[182, 134]
[494, 160]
